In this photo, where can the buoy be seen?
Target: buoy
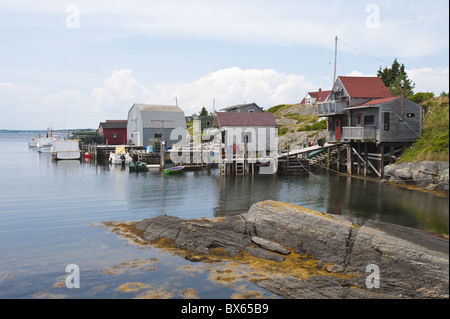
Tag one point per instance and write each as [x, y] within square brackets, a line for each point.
[86, 155]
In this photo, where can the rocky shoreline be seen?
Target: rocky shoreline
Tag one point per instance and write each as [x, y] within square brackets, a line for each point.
[429, 175]
[374, 260]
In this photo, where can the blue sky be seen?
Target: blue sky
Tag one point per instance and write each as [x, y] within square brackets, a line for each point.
[72, 64]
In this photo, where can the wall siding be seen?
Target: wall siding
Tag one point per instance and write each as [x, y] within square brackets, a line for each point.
[407, 130]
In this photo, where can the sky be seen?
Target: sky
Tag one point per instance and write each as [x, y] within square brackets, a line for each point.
[76, 63]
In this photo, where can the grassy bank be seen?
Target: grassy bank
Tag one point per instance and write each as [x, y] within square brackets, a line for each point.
[433, 144]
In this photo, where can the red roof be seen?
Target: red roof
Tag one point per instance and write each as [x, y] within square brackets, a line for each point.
[320, 96]
[364, 86]
[244, 119]
[379, 101]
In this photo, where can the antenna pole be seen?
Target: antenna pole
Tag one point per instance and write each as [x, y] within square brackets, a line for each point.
[335, 53]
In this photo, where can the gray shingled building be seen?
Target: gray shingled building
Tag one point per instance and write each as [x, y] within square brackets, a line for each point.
[147, 122]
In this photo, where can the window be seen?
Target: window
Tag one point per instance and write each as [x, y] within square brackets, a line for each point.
[247, 137]
[386, 121]
[251, 111]
[157, 135]
[369, 119]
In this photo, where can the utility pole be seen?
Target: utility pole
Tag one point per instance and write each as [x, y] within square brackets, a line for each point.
[335, 54]
[402, 83]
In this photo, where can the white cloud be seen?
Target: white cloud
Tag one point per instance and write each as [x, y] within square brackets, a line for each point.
[235, 86]
[433, 80]
[40, 108]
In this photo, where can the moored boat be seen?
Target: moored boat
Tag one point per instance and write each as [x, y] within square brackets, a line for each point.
[120, 155]
[173, 170]
[66, 150]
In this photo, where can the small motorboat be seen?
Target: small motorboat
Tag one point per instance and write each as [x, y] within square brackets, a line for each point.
[116, 157]
[173, 170]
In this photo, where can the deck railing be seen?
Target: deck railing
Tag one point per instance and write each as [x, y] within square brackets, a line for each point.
[331, 107]
[360, 133]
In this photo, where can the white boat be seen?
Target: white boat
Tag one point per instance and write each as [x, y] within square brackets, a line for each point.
[44, 144]
[116, 157]
[66, 150]
[33, 142]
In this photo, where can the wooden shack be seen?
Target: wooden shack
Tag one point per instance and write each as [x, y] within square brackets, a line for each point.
[114, 132]
[375, 126]
[248, 140]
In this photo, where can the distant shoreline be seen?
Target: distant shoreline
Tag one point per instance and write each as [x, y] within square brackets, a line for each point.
[40, 131]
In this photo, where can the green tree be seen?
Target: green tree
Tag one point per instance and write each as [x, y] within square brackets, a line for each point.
[421, 97]
[203, 112]
[392, 77]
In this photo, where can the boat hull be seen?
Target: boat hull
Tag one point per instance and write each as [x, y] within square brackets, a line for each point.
[67, 155]
[173, 170]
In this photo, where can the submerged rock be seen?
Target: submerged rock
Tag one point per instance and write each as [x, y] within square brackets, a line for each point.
[411, 263]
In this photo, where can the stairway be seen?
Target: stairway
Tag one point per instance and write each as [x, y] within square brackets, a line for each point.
[240, 168]
[321, 160]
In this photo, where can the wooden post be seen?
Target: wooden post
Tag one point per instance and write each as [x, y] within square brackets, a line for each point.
[287, 158]
[382, 160]
[339, 159]
[365, 159]
[391, 151]
[349, 159]
[359, 161]
[162, 160]
[328, 158]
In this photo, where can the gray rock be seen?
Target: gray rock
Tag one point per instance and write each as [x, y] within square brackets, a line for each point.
[262, 253]
[412, 263]
[426, 174]
[270, 245]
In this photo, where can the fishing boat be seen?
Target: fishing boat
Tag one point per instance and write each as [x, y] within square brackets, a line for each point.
[66, 150]
[173, 170]
[116, 157]
[44, 143]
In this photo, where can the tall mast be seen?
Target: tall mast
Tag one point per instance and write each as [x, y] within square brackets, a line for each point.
[335, 54]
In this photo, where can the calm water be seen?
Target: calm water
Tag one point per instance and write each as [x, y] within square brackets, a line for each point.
[51, 216]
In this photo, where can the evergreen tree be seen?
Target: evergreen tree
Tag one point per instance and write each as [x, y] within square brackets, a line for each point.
[392, 77]
[203, 112]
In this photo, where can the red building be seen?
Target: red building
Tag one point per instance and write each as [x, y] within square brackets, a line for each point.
[114, 132]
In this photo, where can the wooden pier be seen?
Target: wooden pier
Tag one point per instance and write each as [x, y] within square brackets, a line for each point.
[102, 152]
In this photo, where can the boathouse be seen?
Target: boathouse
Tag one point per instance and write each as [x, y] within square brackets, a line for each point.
[114, 132]
[147, 122]
[246, 139]
[374, 126]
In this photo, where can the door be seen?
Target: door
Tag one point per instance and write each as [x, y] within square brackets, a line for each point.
[358, 120]
[337, 130]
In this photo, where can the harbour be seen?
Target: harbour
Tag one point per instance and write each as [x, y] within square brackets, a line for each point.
[54, 213]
